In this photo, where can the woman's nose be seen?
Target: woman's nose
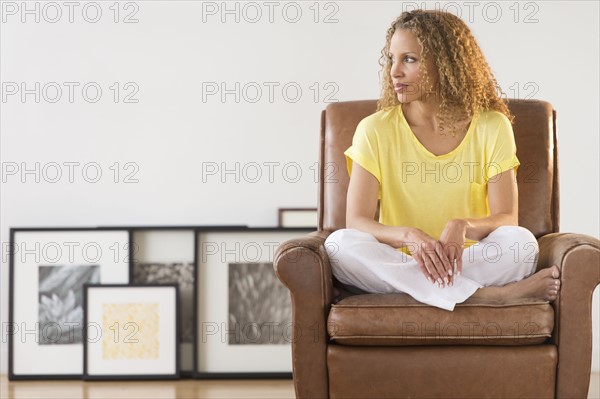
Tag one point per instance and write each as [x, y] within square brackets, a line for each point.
[396, 70]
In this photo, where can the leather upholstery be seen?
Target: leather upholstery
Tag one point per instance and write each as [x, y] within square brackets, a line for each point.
[347, 344]
[442, 372]
[398, 319]
[302, 265]
[578, 257]
[338, 124]
[535, 176]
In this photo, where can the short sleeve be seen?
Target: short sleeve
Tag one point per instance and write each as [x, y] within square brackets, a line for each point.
[501, 148]
[364, 150]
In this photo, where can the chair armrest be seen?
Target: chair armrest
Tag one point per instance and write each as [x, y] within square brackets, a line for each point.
[578, 258]
[302, 265]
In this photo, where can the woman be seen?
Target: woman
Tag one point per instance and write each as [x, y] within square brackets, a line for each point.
[440, 156]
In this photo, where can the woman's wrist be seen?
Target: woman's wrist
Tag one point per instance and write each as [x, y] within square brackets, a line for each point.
[403, 236]
[461, 224]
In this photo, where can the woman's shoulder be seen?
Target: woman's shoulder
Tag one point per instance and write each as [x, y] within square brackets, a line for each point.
[493, 117]
[381, 119]
[492, 128]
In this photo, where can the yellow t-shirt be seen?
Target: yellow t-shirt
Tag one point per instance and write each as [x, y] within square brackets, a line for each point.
[422, 190]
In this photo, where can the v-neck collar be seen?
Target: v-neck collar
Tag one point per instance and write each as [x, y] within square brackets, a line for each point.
[465, 139]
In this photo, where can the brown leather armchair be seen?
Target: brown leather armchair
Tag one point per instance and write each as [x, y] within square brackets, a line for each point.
[353, 345]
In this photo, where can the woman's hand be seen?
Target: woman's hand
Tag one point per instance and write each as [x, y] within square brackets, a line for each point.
[453, 240]
[430, 256]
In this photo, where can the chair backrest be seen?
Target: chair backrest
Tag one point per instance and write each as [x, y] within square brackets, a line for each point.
[535, 135]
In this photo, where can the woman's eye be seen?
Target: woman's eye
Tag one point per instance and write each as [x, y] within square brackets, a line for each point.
[409, 59]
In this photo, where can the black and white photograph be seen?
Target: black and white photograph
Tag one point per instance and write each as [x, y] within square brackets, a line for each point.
[244, 311]
[61, 302]
[259, 305]
[181, 273]
[48, 270]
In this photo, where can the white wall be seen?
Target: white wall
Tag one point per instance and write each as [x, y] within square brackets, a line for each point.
[171, 135]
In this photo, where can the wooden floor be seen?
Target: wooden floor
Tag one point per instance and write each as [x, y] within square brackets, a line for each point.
[184, 389]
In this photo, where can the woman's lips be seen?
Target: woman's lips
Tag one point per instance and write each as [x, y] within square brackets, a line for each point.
[399, 88]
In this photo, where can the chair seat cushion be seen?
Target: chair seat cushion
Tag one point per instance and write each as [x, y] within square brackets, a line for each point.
[398, 319]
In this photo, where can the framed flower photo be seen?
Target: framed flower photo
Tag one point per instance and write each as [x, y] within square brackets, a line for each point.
[48, 271]
[244, 311]
[131, 332]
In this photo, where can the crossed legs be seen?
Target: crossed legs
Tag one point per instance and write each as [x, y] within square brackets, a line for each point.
[499, 267]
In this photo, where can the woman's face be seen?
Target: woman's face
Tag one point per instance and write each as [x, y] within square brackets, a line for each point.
[405, 53]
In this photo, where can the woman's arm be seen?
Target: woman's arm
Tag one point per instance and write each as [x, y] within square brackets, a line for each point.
[504, 210]
[503, 199]
[361, 206]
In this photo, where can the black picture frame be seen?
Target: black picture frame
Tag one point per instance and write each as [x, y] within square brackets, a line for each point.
[161, 356]
[275, 356]
[56, 253]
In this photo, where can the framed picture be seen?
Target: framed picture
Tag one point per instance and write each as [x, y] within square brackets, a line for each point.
[131, 332]
[298, 217]
[164, 256]
[48, 270]
[244, 311]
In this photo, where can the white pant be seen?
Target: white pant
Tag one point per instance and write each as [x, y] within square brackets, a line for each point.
[507, 254]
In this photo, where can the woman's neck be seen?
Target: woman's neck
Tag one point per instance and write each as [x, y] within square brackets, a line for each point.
[421, 114]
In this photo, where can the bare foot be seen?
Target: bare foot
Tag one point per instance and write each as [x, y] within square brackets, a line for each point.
[543, 285]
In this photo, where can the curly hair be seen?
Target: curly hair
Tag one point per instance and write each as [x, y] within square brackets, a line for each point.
[466, 84]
